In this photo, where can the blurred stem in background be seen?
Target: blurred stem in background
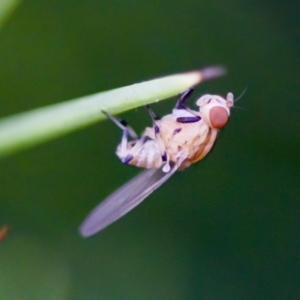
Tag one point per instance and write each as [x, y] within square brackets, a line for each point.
[6, 8]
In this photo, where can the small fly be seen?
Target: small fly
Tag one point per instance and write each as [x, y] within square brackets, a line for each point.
[173, 143]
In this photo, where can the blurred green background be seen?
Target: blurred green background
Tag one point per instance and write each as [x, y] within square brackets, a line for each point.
[228, 227]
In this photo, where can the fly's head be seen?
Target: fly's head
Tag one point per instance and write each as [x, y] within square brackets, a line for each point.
[215, 110]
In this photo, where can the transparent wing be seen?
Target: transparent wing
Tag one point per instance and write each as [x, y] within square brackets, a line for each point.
[125, 199]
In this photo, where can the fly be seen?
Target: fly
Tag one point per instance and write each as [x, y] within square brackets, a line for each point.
[173, 143]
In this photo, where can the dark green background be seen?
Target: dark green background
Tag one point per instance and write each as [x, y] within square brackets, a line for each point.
[228, 227]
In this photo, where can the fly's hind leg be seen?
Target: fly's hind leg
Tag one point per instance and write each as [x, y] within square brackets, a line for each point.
[122, 125]
[181, 105]
[159, 140]
[127, 155]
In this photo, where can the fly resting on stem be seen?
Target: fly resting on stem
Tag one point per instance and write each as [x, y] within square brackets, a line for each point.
[173, 143]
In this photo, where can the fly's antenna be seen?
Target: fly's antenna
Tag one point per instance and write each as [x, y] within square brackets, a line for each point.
[241, 95]
[238, 98]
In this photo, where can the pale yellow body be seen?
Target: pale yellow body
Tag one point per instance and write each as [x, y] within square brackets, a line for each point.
[190, 140]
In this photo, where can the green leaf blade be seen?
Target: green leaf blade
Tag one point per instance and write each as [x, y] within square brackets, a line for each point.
[31, 128]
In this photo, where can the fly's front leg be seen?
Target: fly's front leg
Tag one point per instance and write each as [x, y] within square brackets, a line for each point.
[182, 99]
[125, 154]
[191, 117]
[159, 140]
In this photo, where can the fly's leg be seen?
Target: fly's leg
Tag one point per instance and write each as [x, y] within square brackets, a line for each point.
[182, 99]
[127, 155]
[192, 119]
[159, 140]
[122, 124]
[181, 105]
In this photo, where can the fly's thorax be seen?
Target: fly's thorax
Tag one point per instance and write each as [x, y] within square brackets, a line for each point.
[215, 110]
[186, 139]
[194, 141]
[205, 147]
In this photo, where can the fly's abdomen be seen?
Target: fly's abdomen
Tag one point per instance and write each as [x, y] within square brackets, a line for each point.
[147, 157]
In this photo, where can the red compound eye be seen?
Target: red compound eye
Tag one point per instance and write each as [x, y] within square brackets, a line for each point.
[218, 117]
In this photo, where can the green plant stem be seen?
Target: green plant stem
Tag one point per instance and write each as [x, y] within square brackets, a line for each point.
[31, 128]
